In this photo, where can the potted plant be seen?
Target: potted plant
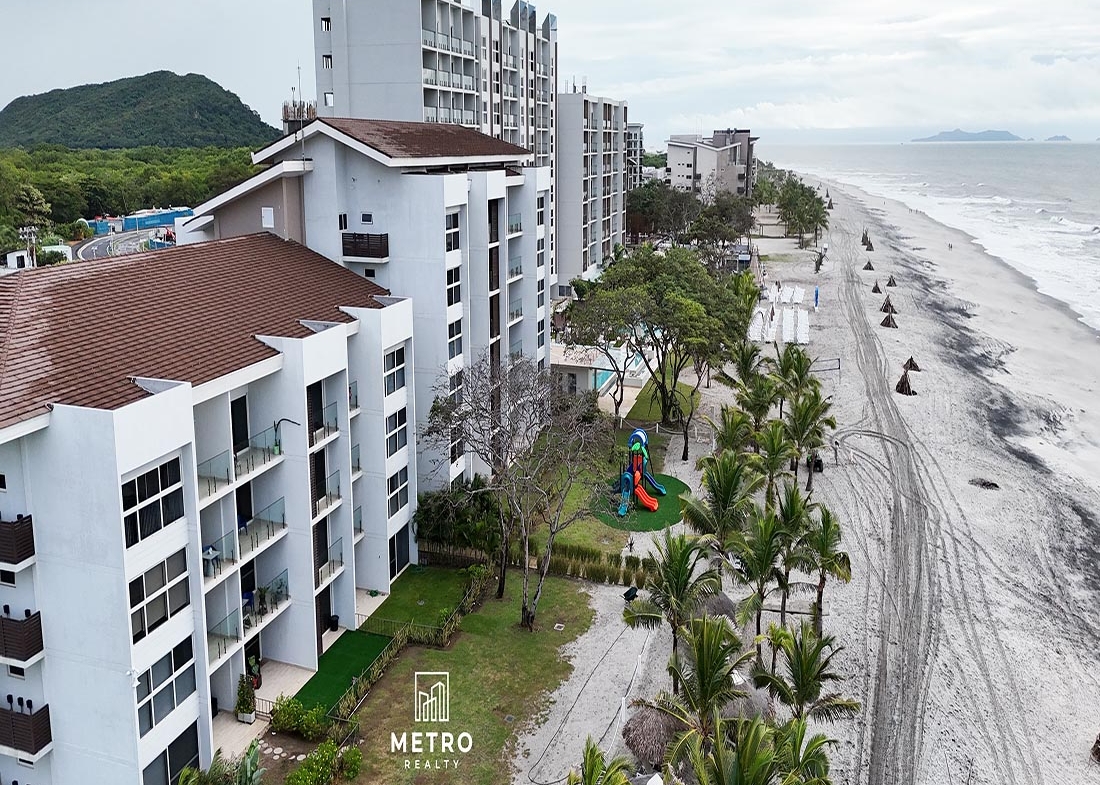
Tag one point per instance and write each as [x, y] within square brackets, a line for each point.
[261, 594]
[254, 672]
[246, 700]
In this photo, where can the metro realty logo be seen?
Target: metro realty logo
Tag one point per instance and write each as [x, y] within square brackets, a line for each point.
[433, 696]
[431, 704]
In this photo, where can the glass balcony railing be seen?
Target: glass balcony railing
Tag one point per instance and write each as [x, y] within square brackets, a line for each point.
[515, 223]
[262, 449]
[334, 562]
[219, 554]
[515, 313]
[324, 425]
[215, 474]
[353, 396]
[330, 494]
[468, 48]
[443, 78]
[357, 520]
[515, 267]
[220, 637]
[429, 75]
[428, 37]
[263, 527]
[356, 464]
[258, 605]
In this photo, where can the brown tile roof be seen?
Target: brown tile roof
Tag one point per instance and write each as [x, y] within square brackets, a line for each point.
[76, 333]
[397, 139]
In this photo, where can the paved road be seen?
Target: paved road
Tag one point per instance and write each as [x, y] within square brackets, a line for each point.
[114, 244]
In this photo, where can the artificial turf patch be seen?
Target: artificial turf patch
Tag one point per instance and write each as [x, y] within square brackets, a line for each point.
[345, 659]
[639, 519]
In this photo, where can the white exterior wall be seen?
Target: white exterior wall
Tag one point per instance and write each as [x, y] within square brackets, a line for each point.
[635, 148]
[67, 471]
[591, 134]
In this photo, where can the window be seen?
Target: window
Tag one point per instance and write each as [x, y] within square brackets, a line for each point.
[369, 272]
[540, 255]
[158, 594]
[395, 370]
[542, 332]
[343, 221]
[166, 685]
[541, 209]
[454, 286]
[396, 431]
[399, 551]
[542, 292]
[16, 672]
[165, 769]
[326, 24]
[454, 339]
[267, 217]
[329, 99]
[398, 485]
[7, 577]
[367, 218]
[452, 232]
[3, 482]
[456, 388]
[152, 501]
[326, 62]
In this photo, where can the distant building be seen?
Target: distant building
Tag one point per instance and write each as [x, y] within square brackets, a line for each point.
[635, 151]
[591, 183]
[18, 260]
[725, 162]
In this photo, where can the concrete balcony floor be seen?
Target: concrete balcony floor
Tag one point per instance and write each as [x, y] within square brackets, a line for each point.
[280, 678]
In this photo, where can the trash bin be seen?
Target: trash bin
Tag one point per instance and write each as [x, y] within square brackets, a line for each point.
[334, 622]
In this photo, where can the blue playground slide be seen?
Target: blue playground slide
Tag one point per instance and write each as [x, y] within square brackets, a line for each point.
[656, 485]
[626, 485]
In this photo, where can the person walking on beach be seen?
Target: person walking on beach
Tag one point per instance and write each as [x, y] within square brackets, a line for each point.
[836, 452]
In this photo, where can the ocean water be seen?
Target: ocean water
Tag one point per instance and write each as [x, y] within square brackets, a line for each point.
[1034, 205]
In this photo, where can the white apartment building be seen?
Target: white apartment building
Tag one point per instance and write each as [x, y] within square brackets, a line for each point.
[635, 149]
[591, 180]
[463, 62]
[448, 216]
[723, 162]
[196, 468]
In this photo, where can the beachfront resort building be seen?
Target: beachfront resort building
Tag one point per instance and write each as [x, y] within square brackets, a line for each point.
[472, 63]
[456, 220]
[635, 150]
[197, 468]
[723, 162]
[591, 178]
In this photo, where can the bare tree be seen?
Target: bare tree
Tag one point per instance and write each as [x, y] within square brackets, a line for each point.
[537, 443]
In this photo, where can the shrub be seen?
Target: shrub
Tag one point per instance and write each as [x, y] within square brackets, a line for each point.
[640, 578]
[286, 714]
[318, 767]
[649, 564]
[351, 760]
[246, 695]
[633, 562]
[614, 560]
[313, 725]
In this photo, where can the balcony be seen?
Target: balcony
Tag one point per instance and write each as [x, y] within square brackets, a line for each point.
[215, 474]
[515, 314]
[330, 495]
[443, 78]
[333, 564]
[353, 399]
[221, 637]
[515, 269]
[431, 115]
[264, 527]
[444, 115]
[21, 639]
[323, 426]
[356, 463]
[16, 540]
[24, 729]
[218, 555]
[515, 224]
[428, 37]
[469, 118]
[468, 48]
[467, 83]
[265, 603]
[357, 521]
[356, 245]
[262, 451]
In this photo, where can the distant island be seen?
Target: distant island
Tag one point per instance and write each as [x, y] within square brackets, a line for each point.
[161, 109]
[1058, 138]
[958, 135]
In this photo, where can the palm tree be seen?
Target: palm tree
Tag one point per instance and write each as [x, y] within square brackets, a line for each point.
[596, 770]
[730, 483]
[775, 452]
[733, 431]
[822, 543]
[806, 423]
[748, 361]
[675, 590]
[755, 556]
[806, 672]
[748, 758]
[757, 400]
[792, 373]
[707, 676]
[794, 518]
[221, 771]
[802, 761]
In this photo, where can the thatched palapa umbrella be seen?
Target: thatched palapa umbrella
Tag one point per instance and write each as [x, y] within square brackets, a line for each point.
[911, 365]
[875, 289]
[891, 282]
[903, 386]
[757, 702]
[719, 604]
[648, 733]
[887, 306]
[868, 266]
[870, 246]
[888, 321]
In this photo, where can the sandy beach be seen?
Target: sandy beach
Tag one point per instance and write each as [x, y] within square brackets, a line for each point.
[972, 623]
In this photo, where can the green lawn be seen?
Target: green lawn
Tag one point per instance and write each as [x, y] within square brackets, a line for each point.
[500, 678]
[421, 593]
[639, 519]
[345, 659]
[648, 408]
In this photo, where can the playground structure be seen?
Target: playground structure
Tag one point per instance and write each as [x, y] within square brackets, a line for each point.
[635, 473]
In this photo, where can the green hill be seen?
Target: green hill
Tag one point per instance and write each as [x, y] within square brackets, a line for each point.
[161, 109]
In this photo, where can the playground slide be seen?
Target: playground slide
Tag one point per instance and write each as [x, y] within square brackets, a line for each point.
[627, 485]
[645, 499]
[660, 489]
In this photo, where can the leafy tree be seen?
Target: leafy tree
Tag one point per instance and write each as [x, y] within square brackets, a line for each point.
[679, 209]
[680, 582]
[656, 160]
[822, 543]
[806, 423]
[463, 517]
[597, 770]
[540, 443]
[600, 320]
[50, 258]
[719, 226]
[806, 673]
[30, 206]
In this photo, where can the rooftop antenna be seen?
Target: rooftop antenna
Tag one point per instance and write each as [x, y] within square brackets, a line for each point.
[302, 128]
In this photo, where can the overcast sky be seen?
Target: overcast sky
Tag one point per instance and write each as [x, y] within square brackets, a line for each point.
[789, 69]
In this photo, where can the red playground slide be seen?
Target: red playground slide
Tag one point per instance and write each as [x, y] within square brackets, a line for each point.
[644, 498]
